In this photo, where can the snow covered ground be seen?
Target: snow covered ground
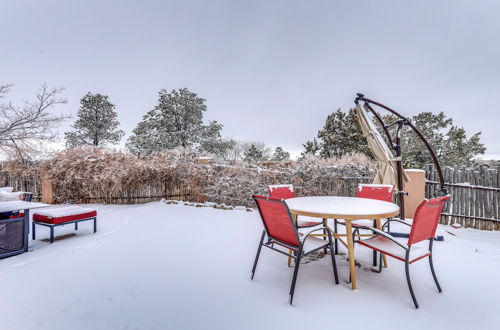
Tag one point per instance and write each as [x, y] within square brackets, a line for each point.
[159, 266]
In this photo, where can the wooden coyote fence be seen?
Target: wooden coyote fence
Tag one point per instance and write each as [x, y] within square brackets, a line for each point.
[147, 193]
[475, 195]
[231, 186]
[29, 182]
[152, 190]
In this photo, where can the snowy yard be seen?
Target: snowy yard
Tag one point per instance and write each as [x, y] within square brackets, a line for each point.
[159, 266]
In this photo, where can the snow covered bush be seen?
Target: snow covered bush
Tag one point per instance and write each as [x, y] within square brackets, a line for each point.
[98, 175]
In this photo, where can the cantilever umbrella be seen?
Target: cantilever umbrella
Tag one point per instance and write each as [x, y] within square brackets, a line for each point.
[387, 166]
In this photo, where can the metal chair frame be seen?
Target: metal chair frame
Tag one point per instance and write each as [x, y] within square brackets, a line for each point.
[298, 251]
[407, 249]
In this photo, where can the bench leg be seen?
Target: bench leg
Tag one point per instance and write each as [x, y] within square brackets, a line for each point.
[51, 234]
[33, 231]
[95, 225]
[76, 225]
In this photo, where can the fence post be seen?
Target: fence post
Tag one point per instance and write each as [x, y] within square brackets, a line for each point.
[47, 190]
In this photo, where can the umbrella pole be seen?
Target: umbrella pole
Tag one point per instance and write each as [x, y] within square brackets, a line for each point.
[399, 163]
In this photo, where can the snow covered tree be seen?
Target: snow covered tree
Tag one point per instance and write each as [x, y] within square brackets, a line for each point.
[255, 153]
[234, 151]
[341, 135]
[176, 121]
[459, 150]
[451, 144]
[212, 142]
[22, 127]
[96, 124]
[280, 155]
[310, 148]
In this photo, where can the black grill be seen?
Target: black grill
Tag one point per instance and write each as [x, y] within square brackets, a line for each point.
[11, 237]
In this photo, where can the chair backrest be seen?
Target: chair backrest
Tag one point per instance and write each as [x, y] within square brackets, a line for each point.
[282, 191]
[277, 220]
[381, 192]
[28, 197]
[426, 219]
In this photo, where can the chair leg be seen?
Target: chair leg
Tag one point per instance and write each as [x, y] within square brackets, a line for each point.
[324, 233]
[33, 231]
[76, 225]
[295, 272]
[374, 251]
[336, 240]
[334, 263]
[51, 234]
[258, 254]
[407, 269]
[380, 263]
[95, 225]
[434, 274]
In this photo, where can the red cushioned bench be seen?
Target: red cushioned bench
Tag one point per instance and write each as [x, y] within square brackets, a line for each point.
[60, 216]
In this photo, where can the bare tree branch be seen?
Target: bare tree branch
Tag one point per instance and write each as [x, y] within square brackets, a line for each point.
[22, 126]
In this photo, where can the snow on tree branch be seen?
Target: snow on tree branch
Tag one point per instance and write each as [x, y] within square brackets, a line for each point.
[23, 125]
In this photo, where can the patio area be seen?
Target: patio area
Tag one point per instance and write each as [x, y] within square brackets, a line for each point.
[161, 266]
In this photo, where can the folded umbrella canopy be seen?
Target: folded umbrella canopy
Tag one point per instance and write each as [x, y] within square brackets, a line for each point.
[390, 167]
[387, 163]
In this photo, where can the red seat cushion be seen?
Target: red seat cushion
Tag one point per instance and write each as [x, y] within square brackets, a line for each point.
[68, 214]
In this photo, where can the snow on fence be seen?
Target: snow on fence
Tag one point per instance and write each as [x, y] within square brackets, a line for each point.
[476, 195]
[99, 176]
[24, 178]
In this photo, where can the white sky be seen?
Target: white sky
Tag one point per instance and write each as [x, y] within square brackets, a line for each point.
[270, 70]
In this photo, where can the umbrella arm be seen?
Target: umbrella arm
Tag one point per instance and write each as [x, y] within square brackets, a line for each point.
[406, 121]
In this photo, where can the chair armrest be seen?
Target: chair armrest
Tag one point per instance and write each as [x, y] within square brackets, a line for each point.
[312, 231]
[396, 220]
[382, 233]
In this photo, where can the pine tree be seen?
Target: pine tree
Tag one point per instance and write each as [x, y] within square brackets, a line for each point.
[212, 142]
[254, 154]
[177, 121]
[280, 155]
[458, 150]
[310, 148]
[96, 125]
[340, 135]
[450, 142]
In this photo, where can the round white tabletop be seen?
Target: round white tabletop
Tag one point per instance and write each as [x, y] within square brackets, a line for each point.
[336, 207]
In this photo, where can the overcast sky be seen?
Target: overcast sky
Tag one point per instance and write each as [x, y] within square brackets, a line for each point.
[269, 70]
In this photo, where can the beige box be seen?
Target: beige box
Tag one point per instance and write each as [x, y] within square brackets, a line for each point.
[416, 191]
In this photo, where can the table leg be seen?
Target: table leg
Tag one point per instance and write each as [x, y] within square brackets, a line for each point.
[378, 223]
[350, 253]
[26, 229]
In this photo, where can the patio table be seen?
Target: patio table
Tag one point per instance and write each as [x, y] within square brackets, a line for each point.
[347, 209]
[12, 206]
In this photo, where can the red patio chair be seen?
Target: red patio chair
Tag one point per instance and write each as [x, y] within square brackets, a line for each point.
[285, 191]
[381, 192]
[282, 231]
[423, 227]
